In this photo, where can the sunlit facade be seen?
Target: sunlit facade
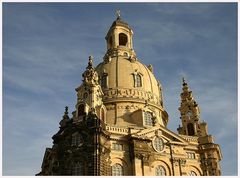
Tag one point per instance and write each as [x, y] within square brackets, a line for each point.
[119, 125]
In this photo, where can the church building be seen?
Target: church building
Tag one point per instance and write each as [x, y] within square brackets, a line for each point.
[119, 124]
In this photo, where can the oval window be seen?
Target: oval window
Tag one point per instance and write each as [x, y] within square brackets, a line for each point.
[158, 144]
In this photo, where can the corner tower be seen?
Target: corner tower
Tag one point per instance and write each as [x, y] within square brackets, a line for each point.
[190, 114]
[81, 146]
[89, 95]
[192, 127]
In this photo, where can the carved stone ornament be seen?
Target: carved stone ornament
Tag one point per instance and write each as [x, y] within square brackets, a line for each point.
[143, 156]
[158, 133]
[150, 67]
[90, 76]
[183, 162]
[132, 58]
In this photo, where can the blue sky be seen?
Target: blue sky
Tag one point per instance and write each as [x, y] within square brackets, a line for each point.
[46, 48]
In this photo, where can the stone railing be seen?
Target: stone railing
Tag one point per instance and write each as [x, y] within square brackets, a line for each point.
[117, 130]
[193, 139]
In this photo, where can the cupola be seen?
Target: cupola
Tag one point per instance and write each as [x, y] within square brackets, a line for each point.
[119, 38]
[190, 114]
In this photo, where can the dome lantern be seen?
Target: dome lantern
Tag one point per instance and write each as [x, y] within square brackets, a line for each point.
[119, 39]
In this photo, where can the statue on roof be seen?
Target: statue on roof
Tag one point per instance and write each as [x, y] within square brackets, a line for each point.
[90, 62]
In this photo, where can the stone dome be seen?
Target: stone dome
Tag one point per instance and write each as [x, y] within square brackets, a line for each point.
[132, 95]
[121, 74]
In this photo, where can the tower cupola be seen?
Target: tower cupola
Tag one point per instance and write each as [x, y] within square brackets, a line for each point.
[89, 94]
[119, 39]
[190, 114]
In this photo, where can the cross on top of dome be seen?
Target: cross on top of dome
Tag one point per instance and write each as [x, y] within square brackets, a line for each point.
[118, 14]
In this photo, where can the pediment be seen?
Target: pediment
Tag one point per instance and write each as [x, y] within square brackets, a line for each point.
[161, 131]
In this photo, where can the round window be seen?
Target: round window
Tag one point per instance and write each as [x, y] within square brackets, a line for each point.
[158, 144]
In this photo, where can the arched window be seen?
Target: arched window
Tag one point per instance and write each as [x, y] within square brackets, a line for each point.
[77, 168]
[158, 144]
[137, 80]
[123, 39]
[192, 173]
[148, 119]
[160, 171]
[117, 170]
[102, 114]
[77, 139]
[190, 129]
[104, 80]
[81, 110]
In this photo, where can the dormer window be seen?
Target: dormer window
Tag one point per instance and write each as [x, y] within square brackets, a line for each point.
[148, 118]
[123, 39]
[137, 79]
